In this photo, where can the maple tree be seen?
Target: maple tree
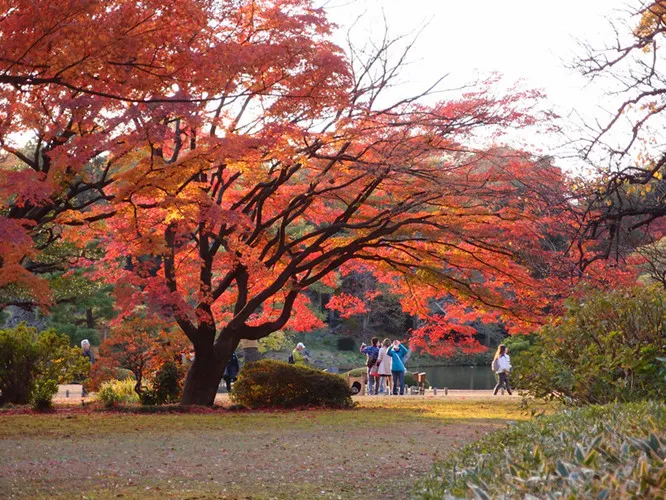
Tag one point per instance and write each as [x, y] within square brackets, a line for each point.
[141, 345]
[230, 156]
[384, 191]
[91, 82]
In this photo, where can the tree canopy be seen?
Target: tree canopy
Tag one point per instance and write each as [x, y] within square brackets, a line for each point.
[225, 157]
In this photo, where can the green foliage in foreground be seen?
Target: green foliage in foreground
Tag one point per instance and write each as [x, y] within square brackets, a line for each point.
[274, 384]
[32, 365]
[115, 392]
[167, 386]
[614, 451]
[606, 348]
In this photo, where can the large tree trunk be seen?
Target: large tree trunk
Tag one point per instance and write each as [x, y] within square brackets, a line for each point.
[205, 374]
[203, 379]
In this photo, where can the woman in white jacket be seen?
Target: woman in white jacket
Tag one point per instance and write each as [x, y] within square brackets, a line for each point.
[384, 362]
[502, 366]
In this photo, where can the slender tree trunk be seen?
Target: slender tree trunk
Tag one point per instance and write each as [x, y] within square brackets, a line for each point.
[90, 319]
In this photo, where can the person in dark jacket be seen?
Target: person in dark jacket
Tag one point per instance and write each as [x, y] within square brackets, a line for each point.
[87, 352]
[372, 352]
[231, 371]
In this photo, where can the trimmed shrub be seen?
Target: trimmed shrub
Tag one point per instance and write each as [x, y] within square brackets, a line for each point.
[603, 350]
[614, 451]
[275, 384]
[115, 392]
[346, 344]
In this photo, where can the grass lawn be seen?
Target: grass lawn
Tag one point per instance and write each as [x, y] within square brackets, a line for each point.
[380, 447]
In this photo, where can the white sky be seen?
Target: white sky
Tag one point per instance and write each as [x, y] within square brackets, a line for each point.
[524, 40]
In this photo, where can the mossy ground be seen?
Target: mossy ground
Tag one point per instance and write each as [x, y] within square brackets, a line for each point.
[381, 447]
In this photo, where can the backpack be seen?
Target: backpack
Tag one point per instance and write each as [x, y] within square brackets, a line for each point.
[291, 360]
[495, 365]
[372, 360]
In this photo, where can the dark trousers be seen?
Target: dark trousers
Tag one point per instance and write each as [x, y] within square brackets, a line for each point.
[228, 381]
[398, 381]
[503, 381]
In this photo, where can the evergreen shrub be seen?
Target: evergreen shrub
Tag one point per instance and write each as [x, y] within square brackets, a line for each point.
[275, 384]
[606, 348]
[167, 386]
[32, 364]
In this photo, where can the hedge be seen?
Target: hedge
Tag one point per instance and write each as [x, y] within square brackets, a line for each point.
[275, 384]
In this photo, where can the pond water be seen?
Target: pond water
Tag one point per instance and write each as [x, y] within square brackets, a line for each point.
[458, 377]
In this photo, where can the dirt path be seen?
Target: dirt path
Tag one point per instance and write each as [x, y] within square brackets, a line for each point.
[306, 454]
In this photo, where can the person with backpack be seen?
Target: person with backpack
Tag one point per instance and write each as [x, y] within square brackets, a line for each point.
[372, 352]
[502, 366]
[397, 352]
[384, 368]
[299, 356]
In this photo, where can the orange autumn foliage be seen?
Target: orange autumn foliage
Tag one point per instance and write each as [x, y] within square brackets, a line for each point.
[140, 345]
[228, 155]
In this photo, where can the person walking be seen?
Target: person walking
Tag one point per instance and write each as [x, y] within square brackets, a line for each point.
[86, 352]
[384, 367]
[397, 352]
[502, 366]
[372, 352]
[231, 371]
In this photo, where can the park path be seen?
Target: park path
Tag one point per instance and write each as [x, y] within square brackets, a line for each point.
[71, 394]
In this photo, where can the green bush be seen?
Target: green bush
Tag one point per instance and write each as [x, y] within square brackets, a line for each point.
[148, 397]
[614, 451]
[275, 384]
[32, 361]
[115, 392]
[603, 350]
[18, 356]
[42, 395]
[346, 344]
[167, 386]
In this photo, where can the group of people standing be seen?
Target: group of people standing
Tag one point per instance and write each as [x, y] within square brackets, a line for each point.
[386, 366]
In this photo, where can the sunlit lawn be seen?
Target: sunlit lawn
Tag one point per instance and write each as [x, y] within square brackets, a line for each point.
[382, 446]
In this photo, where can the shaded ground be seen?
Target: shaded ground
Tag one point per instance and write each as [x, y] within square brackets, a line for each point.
[382, 447]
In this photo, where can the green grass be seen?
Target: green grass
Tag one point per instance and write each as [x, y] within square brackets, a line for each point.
[381, 411]
[217, 454]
